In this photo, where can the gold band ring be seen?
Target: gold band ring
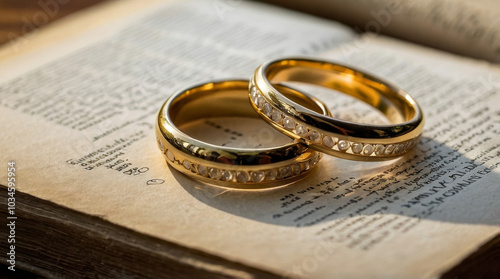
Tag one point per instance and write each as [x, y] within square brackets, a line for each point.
[332, 136]
[228, 166]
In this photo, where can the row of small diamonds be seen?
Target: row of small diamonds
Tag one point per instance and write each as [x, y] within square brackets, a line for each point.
[303, 131]
[242, 176]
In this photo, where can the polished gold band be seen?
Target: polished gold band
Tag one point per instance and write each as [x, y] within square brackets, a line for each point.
[228, 166]
[332, 136]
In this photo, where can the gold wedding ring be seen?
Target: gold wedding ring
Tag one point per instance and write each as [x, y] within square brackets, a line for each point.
[229, 166]
[332, 136]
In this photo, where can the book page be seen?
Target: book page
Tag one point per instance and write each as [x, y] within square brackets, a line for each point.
[470, 28]
[420, 215]
[79, 127]
[84, 94]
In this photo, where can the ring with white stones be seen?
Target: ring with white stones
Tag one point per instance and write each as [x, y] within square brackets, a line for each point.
[345, 139]
[245, 168]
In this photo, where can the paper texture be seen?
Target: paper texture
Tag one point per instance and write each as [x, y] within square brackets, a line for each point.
[80, 129]
[470, 28]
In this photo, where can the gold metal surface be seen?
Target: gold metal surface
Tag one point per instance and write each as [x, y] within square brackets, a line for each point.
[332, 136]
[245, 168]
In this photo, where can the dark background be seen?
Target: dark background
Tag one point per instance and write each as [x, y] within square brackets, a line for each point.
[18, 16]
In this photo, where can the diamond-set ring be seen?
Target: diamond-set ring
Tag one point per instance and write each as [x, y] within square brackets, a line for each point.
[306, 120]
[243, 168]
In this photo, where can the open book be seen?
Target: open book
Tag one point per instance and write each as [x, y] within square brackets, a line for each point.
[470, 28]
[94, 197]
